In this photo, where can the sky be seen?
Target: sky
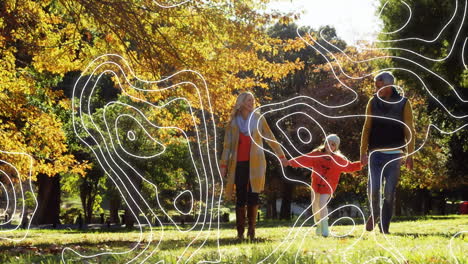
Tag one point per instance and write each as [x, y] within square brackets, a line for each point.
[353, 19]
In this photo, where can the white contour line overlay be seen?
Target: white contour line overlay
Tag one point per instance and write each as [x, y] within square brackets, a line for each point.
[429, 126]
[463, 54]
[462, 22]
[171, 6]
[209, 229]
[31, 189]
[405, 125]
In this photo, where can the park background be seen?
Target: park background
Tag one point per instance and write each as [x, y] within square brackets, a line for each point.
[236, 46]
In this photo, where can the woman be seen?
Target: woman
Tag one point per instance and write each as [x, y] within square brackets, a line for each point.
[243, 161]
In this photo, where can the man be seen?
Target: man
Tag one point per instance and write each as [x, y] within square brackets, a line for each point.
[382, 139]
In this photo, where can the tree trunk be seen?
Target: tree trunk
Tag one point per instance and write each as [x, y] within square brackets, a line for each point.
[86, 201]
[129, 219]
[271, 208]
[114, 205]
[48, 198]
[427, 202]
[285, 210]
[442, 203]
[89, 209]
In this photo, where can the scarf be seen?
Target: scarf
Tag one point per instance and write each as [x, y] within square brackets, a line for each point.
[243, 125]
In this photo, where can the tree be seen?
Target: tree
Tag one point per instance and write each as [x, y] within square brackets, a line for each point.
[220, 41]
[446, 82]
[44, 40]
[30, 108]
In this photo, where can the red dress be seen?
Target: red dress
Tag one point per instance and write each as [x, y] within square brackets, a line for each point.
[329, 167]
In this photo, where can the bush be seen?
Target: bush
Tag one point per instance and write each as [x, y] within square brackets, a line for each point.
[69, 215]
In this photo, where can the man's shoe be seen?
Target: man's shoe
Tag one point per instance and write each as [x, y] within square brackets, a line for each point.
[384, 230]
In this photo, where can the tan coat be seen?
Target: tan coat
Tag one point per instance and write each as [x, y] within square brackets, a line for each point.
[257, 156]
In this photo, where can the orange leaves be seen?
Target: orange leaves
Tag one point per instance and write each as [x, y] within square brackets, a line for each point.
[223, 45]
[109, 38]
[285, 20]
[50, 37]
[294, 44]
[28, 128]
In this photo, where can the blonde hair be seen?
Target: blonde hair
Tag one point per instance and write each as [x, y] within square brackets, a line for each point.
[239, 101]
[321, 148]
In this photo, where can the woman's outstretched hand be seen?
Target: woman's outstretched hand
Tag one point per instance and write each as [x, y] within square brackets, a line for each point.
[222, 172]
[284, 162]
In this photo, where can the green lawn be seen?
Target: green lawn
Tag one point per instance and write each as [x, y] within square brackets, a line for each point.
[424, 240]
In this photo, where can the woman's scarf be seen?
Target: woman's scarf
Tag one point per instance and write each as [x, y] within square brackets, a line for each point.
[243, 125]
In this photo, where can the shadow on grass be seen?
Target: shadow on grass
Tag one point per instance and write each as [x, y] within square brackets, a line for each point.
[166, 244]
[73, 229]
[422, 235]
[268, 223]
[424, 217]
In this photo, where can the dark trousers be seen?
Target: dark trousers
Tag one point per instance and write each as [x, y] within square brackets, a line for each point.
[244, 194]
[383, 167]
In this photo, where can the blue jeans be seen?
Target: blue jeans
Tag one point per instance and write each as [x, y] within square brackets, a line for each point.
[391, 174]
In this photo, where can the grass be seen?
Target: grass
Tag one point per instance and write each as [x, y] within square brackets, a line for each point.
[413, 240]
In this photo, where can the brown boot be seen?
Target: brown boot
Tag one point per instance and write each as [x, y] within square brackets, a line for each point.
[370, 223]
[240, 221]
[252, 218]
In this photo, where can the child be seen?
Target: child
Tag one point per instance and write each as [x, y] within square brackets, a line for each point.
[327, 164]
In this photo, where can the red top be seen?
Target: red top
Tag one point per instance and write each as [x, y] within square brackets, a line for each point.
[243, 150]
[329, 167]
